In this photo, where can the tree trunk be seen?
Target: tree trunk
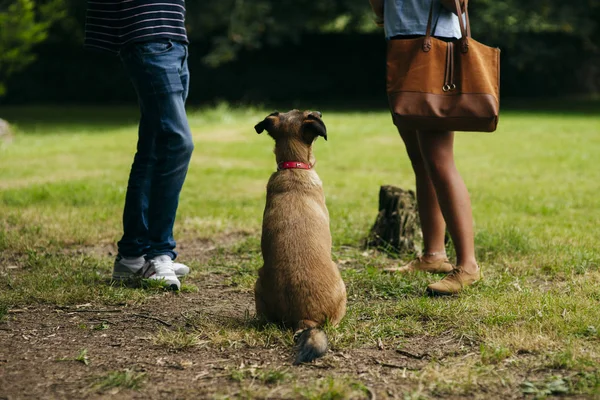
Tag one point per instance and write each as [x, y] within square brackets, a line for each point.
[397, 228]
[5, 132]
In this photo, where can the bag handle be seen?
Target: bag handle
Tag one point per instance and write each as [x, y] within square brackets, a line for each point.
[465, 31]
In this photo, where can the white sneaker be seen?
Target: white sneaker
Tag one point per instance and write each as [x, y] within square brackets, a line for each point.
[180, 269]
[161, 268]
[126, 268]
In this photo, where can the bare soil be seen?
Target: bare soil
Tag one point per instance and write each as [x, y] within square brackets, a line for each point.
[39, 346]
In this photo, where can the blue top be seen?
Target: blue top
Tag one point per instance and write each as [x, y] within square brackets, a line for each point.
[409, 17]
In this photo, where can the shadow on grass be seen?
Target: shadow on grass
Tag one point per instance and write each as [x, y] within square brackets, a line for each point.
[104, 117]
[547, 105]
[67, 118]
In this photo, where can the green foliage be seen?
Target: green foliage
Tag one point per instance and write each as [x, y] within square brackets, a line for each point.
[23, 24]
[235, 25]
[544, 38]
[512, 17]
[540, 30]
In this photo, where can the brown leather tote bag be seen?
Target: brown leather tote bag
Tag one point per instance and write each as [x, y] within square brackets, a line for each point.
[437, 85]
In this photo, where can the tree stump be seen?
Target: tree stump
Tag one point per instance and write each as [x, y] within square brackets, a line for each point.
[397, 228]
[5, 132]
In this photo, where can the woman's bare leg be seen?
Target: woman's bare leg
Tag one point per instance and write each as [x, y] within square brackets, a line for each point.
[432, 220]
[437, 151]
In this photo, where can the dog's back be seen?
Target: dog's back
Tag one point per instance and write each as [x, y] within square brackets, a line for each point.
[296, 246]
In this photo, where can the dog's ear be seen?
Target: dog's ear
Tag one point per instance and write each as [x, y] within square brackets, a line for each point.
[267, 123]
[313, 126]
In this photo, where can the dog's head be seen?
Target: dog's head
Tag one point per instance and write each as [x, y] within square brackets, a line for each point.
[294, 133]
[304, 126]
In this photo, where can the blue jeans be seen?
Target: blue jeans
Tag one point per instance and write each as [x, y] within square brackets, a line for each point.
[160, 75]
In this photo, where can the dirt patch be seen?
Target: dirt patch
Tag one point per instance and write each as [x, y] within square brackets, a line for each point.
[45, 350]
[40, 347]
[200, 344]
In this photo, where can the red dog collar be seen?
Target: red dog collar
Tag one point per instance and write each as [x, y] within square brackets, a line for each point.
[293, 165]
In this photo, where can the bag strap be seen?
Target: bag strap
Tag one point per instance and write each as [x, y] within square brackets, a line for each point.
[427, 41]
[460, 12]
[468, 21]
[465, 31]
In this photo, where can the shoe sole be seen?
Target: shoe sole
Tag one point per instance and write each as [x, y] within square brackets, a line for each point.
[434, 293]
[125, 279]
[131, 277]
[165, 285]
[171, 286]
[411, 271]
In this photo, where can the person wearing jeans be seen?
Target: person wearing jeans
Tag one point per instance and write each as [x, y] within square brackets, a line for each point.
[150, 38]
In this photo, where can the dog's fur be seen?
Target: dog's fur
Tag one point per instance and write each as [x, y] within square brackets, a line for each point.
[299, 285]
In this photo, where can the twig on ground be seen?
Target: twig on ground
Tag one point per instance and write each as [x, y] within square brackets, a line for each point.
[411, 355]
[389, 365]
[17, 311]
[152, 318]
[201, 376]
[88, 311]
[318, 366]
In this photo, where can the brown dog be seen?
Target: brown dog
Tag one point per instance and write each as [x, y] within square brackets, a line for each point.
[299, 285]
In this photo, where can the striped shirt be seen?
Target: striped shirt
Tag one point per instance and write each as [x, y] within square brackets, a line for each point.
[111, 24]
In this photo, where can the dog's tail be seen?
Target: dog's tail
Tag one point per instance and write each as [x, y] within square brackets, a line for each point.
[311, 343]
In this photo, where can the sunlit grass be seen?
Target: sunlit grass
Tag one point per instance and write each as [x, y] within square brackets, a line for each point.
[534, 186]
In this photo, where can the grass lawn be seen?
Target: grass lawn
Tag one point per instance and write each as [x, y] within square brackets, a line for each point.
[530, 329]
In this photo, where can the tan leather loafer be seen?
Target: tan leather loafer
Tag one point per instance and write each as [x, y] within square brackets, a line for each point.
[454, 282]
[419, 264]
